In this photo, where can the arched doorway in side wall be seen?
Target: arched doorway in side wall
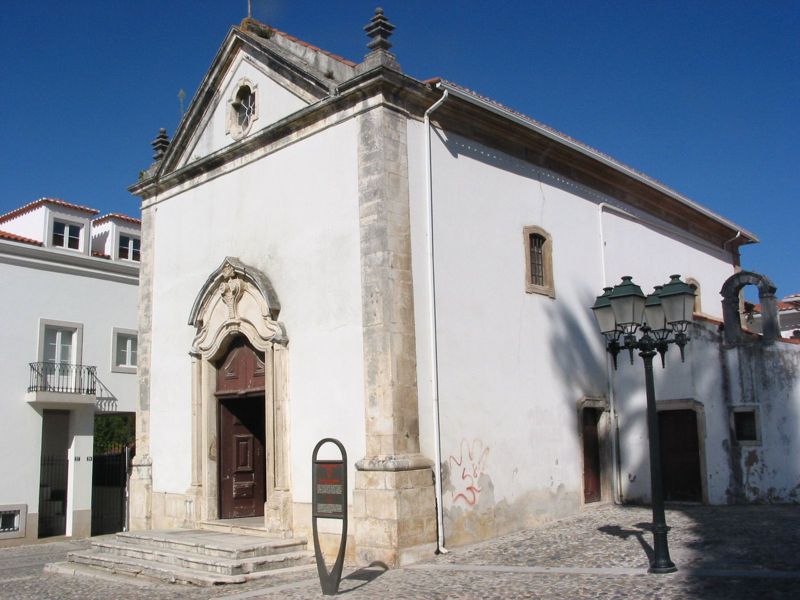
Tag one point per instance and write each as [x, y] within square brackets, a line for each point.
[680, 455]
[240, 388]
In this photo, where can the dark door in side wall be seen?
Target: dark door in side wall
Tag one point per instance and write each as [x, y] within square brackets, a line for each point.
[680, 455]
[591, 455]
[242, 444]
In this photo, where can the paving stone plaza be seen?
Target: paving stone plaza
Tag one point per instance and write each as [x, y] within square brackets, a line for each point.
[721, 553]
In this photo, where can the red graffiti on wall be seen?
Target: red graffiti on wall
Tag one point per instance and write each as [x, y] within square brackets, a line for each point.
[467, 470]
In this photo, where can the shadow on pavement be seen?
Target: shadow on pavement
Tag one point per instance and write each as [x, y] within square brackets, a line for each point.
[624, 534]
[364, 575]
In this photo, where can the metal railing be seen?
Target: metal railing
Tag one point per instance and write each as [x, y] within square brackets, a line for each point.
[63, 378]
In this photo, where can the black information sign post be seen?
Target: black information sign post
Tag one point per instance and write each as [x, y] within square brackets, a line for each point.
[329, 501]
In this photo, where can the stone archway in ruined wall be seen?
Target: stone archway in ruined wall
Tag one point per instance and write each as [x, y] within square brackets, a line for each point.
[730, 306]
[238, 300]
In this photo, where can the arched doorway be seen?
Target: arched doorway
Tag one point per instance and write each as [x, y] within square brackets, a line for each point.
[240, 383]
[240, 387]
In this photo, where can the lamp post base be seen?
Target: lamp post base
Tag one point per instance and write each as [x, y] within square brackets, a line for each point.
[661, 569]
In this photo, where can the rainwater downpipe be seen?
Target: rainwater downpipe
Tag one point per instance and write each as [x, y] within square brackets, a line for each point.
[437, 434]
[616, 467]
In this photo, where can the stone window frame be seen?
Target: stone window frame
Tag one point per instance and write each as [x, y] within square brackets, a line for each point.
[77, 340]
[116, 333]
[21, 519]
[750, 408]
[698, 305]
[548, 288]
[232, 126]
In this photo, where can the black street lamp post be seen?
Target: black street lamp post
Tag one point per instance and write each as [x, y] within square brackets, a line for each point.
[662, 318]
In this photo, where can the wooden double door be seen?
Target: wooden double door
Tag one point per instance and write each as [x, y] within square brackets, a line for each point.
[241, 426]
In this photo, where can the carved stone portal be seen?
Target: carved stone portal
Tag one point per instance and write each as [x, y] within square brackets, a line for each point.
[239, 300]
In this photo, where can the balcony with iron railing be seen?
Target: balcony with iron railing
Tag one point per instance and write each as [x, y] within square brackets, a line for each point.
[63, 384]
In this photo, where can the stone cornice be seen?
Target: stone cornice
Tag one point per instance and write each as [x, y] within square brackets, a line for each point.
[413, 97]
[385, 85]
[493, 130]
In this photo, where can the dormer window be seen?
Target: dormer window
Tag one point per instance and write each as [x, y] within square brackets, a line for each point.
[129, 247]
[243, 109]
[66, 235]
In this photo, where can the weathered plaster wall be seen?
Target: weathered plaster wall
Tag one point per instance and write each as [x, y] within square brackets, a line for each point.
[766, 377]
[720, 378]
[513, 366]
[292, 214]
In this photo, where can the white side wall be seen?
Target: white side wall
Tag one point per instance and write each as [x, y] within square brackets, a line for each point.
[31, 225]
[103, 238]
[293, 215]
[513, 366]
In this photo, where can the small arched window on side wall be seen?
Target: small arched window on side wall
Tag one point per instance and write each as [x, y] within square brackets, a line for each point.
[243, 109]
[538, 261]
[698, 307]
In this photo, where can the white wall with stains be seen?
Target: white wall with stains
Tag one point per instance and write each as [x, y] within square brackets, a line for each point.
[513, 366]
[293, 215]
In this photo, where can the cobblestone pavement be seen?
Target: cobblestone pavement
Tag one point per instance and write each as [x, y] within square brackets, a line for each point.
[723, 553]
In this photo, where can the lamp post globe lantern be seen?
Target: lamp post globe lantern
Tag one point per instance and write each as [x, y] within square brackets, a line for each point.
[604, 314]
[660, 319]
[627, 302]
[677, 297]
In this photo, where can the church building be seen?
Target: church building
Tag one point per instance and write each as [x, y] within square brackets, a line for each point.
[337, 249]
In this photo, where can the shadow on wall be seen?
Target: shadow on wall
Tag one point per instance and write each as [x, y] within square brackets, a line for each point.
[579, 360]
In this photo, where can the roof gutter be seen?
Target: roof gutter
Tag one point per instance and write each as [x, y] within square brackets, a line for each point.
[507, 114]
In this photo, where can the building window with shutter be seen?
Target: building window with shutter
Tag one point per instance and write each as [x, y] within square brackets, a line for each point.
[538, 261]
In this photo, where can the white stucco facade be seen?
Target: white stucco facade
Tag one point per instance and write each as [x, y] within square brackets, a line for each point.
[302, 233]
[87, 298]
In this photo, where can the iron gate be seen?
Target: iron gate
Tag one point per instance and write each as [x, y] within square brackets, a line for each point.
[53, 495]
[110, 469]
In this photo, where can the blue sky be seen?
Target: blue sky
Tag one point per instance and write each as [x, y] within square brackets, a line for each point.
[703, 96]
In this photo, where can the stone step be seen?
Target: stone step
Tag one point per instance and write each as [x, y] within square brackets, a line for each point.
[211, 543]
[236, 526]
[190, 559]
[96, 560]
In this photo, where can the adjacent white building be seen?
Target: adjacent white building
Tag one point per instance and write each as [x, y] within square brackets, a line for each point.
[338, 249]
[70, 282]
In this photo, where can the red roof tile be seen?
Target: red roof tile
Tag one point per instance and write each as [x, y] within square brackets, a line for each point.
[781, 306]
[119, 216]
[4, 235]
[335, 57]
[42, 201]
[291, 38]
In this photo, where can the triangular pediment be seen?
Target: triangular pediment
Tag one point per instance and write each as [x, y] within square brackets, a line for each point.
[253, 83]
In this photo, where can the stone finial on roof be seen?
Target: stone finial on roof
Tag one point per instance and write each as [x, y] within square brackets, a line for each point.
[379, 29]
[160, 144]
